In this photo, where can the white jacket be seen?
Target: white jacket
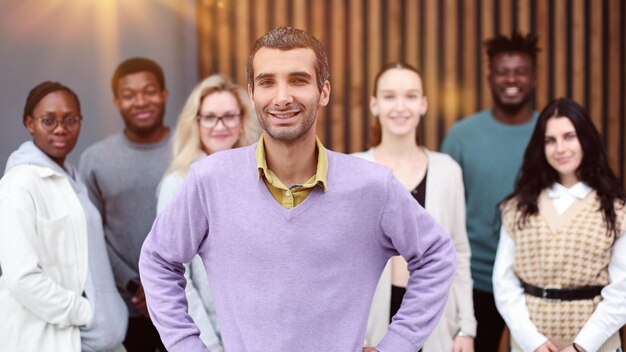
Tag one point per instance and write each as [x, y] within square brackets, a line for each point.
[43, 255]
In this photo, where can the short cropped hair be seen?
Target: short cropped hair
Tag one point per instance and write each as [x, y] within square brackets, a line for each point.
[134, 65]
[287, 38]
[40, 91]
[517, 42]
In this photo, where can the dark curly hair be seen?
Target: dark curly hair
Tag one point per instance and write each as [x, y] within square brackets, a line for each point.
[517, 42]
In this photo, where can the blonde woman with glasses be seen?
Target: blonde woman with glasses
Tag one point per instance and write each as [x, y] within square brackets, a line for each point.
[217, 116]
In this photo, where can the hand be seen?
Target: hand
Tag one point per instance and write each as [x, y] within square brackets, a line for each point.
[547, 346]
[463, 344]
[369, 349]
[139, 301]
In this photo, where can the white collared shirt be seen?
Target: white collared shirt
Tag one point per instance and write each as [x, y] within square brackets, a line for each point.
[509, 295]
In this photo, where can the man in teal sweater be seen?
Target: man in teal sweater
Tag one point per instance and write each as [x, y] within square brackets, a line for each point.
[489, 147]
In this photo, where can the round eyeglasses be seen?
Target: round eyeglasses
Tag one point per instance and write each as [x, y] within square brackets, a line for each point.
[210, 121]
[50, 123]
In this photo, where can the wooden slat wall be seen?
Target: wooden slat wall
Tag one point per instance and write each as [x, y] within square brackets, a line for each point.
[583, 55]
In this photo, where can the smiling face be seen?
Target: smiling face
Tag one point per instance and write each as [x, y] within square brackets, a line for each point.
[59, 142]
[399, 103]
[285, 96]
[563, 150]
[512, 80]
[219, 137]
[141, 102]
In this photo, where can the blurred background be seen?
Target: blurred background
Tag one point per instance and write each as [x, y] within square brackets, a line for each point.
[79, 42]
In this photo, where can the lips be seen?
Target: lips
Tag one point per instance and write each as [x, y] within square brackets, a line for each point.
[143, 115]
[59, 143]
[511, 91]
[284, 115]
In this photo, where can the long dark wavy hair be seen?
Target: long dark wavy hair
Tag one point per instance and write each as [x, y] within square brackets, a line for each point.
[536, 174]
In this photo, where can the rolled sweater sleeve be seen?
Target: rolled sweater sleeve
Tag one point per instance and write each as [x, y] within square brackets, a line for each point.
[174, 239]
[411, 232]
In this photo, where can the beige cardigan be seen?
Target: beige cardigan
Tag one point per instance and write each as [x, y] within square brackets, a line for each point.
[445, 201]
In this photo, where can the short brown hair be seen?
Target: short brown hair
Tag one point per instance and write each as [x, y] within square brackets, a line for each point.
[287, 38]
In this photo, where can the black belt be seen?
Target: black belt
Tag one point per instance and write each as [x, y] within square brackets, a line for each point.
[563, 294]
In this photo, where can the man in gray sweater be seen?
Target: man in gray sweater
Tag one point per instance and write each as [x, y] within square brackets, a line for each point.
[122, 173]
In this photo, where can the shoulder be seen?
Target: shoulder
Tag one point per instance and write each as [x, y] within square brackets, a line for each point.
[367, 155]
[101, 148]
[25, 179]
[471, 122]
[354, 172]
[442, 160]
[230, 162]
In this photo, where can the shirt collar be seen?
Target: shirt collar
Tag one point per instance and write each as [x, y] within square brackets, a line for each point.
[580, 190]
[321, 172]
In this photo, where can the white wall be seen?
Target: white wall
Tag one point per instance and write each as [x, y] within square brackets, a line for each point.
[79, 43]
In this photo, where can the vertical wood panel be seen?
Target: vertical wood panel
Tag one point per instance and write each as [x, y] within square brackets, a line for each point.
[487, 31]
[374, 45]
[205, 33]
[300, 10]
[243, 42]
[596, 65]
[393, 31]
[613, 131]
[471, 50]
[560, 76]
[523, 16]
[411, 42]
[358, 125]
[280, 13]
[337, 69]
[578, 50]
[450, 93]
[374, 32]
[506, 21]
[430, 72]
[543, 76]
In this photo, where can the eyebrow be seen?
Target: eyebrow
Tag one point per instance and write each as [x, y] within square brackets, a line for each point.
[291, 74]
[393, 91]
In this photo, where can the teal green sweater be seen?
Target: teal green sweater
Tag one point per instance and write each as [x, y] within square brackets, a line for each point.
[490, 154]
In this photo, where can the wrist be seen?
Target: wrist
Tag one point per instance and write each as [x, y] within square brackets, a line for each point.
[577, 347]
[461, 333]
[132, 286]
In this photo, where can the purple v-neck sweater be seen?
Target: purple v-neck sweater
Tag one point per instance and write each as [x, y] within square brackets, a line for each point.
[298, 279]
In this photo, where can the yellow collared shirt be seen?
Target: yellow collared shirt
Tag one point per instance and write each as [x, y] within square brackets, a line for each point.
[293, 195]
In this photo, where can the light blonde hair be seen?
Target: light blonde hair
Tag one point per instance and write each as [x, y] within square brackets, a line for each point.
[186, 144]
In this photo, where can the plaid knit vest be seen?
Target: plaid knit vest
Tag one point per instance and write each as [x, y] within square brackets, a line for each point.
[562, 251]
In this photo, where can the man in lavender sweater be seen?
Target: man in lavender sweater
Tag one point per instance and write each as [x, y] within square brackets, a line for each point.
[293, 237]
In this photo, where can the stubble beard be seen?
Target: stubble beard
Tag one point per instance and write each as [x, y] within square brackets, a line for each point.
[286, 135]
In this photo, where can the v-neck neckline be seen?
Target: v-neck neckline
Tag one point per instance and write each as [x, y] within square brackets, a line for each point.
[291, 213]
[557, 221]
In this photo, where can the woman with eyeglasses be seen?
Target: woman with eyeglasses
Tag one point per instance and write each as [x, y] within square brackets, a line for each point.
[57, 288]
[217, 116]
[559, 277]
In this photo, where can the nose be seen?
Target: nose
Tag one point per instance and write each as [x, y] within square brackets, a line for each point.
[141, 100]
[283, 95]
[400, 104]
[560, 146]
[60, 128]
[511, 77]
[220, 125]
